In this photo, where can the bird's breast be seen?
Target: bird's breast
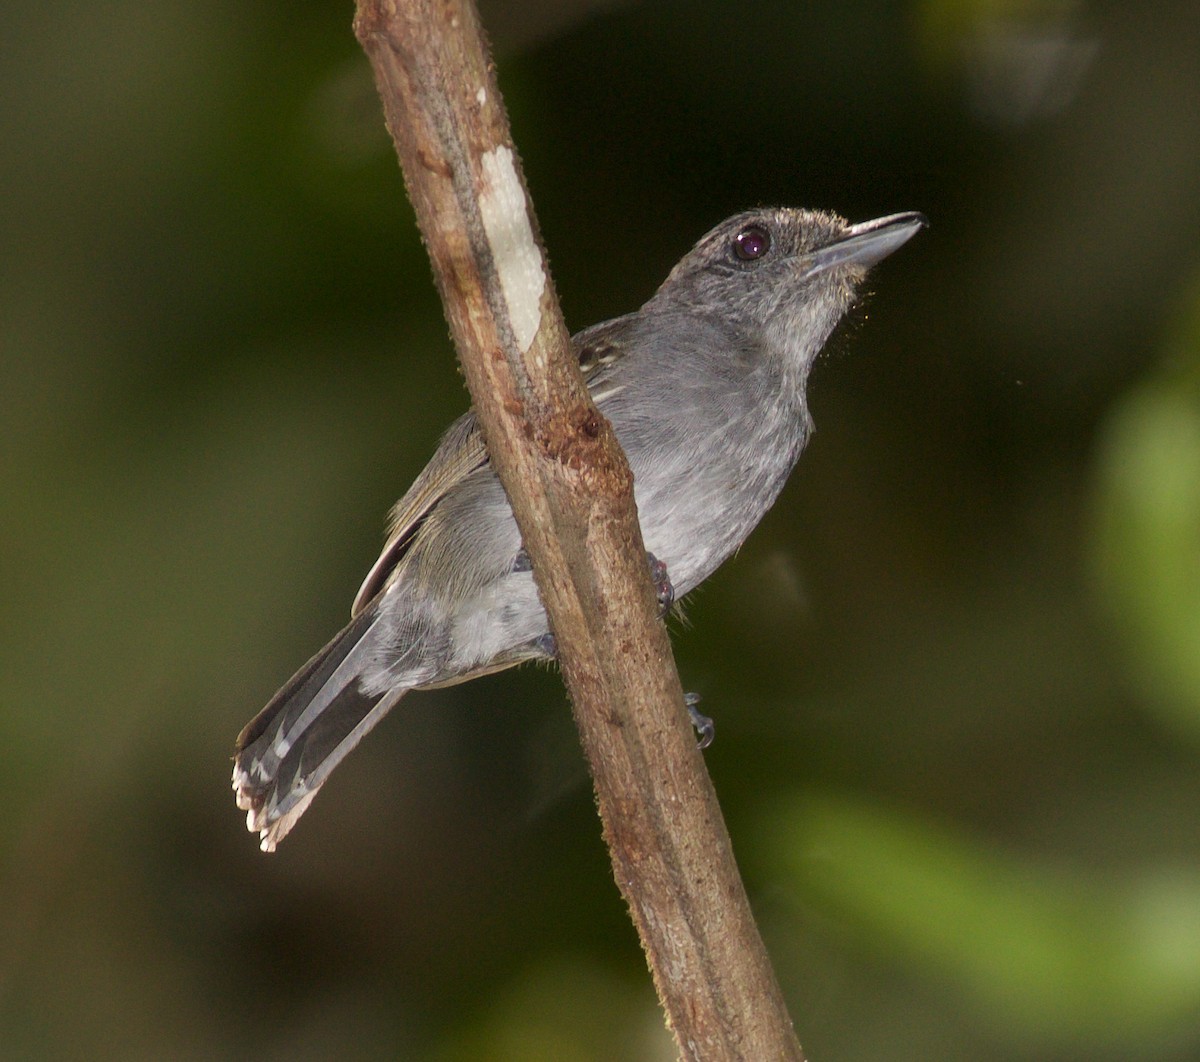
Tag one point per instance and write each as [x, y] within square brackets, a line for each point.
[697, 503]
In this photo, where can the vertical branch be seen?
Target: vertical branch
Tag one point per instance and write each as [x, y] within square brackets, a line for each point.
[572, 493]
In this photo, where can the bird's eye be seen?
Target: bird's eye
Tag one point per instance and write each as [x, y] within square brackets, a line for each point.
[751, 243]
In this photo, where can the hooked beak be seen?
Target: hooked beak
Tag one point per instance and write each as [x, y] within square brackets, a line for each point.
[868, 243]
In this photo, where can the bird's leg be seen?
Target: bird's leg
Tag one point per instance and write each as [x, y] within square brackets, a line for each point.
[658, 572]
[665, 593]
[704, 726]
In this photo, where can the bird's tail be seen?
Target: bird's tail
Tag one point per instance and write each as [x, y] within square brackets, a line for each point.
[289, 748]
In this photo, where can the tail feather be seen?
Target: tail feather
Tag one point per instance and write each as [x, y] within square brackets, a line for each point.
[287, 751]
[305, 683]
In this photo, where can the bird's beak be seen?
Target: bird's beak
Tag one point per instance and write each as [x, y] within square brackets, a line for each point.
[868, 243]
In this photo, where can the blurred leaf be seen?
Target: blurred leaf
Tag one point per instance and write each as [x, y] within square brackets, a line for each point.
[1147, 540]
[1051, 954]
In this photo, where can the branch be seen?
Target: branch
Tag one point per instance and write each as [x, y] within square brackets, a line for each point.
[572, 493]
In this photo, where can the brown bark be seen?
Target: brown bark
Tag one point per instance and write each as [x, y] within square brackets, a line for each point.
[572, 493]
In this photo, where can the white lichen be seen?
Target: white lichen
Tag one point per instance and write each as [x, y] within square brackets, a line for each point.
[518, 261]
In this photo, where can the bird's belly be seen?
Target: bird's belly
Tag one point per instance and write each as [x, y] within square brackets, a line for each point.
[502, 617]
[695, 510]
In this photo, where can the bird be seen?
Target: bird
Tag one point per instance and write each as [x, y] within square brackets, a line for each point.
[705, 387]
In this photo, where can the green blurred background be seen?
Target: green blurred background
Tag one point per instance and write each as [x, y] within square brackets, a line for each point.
[955, 673]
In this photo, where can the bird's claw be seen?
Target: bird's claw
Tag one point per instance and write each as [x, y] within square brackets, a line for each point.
[663, 588]
[703, 724]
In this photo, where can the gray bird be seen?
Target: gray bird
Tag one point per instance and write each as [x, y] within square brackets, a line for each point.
[705, 387]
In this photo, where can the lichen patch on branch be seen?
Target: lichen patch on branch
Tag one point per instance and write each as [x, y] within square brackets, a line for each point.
[518, 262]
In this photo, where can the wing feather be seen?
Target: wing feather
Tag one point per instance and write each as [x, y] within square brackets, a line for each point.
[461, 452]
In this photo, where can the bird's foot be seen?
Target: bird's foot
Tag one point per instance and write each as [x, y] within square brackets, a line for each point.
[704, 726]
[658, 572]
[663, 588]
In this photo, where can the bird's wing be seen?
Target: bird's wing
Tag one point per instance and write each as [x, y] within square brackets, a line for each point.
[600, 349]
[461, 453]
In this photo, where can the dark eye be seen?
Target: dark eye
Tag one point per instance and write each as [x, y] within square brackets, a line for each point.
[751, 243]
